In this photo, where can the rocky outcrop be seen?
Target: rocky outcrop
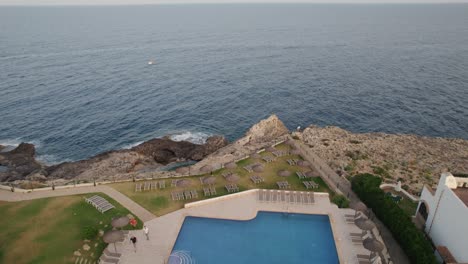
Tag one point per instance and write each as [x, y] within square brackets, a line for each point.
[414, 160]
[153, 153]
[165, 150]
[20, 162]
[263, 134]
[266, 130]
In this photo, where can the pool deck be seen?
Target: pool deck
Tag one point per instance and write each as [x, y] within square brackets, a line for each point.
[163, 231]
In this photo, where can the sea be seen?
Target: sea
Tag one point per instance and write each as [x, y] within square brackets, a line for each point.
[75, 80]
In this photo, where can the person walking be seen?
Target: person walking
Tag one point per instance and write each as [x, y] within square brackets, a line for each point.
[134, 240]
[146, 230]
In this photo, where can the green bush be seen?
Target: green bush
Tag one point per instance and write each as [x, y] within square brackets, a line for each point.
[416, 246]
[89, 232]
[341, 201]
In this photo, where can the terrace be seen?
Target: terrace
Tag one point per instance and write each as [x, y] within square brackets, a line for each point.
[249, 173]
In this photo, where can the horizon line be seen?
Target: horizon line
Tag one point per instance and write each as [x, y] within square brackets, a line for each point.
[268, 2]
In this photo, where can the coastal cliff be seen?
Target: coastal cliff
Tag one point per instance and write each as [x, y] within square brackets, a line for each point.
[413, 160]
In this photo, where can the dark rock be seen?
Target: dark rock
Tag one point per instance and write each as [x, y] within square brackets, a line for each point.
[165, 150]
[20, 162]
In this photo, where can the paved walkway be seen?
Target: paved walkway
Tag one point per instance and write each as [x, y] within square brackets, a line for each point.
[126, 202]
[341, 185]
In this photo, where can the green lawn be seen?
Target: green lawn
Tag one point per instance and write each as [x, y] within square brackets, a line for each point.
[159, 202]
[50, 230]
[406, 204]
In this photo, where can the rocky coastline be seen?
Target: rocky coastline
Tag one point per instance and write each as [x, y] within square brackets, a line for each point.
[413, 160]
[22, 165]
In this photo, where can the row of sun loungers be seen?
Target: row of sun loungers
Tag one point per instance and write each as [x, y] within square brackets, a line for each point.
[367, 259]
[292, 162]
[101, 204]
[257, 179]
[209, 190]
[310, 184]
[302, 175]
[268, 159]
[232, 187]
[280, 153]
[350, 218]
[286, 196]
[184, 195]
[283, 185]
[146, 186]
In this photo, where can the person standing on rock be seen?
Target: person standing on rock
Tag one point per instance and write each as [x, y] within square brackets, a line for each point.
[134, 240]
[146, 230]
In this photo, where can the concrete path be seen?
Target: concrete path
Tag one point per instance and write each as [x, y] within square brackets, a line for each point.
[126, 202]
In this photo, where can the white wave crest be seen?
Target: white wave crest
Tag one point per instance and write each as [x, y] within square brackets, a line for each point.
[129, 146]
[13, 143]
[193, 137]
[50, 159]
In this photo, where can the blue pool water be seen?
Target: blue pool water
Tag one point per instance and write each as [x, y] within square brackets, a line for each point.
[269, 238]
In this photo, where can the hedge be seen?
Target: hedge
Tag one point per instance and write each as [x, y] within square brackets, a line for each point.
[412, 241]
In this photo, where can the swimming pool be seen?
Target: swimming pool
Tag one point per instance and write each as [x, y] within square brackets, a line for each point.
[268, 238]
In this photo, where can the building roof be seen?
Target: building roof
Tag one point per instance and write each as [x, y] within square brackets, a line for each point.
[462, 193]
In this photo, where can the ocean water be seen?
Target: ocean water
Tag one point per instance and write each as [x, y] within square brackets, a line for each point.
[268, 238]
[76, 81]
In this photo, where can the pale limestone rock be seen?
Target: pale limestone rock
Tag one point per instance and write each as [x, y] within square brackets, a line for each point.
[416, 160]
[266, 130]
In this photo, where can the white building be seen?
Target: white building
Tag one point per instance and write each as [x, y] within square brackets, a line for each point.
[445, 212]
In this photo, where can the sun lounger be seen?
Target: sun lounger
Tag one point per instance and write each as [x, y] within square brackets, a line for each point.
[194, 194]
[274, 196]
[187, 195]
[363, 233]
[104, 259]
[162, 184]
[111, 254]
[106, 208]
[260, 195]
[311, 197]
[212, 190]
[96, 200]
[153, 185]
[174, 183]
[300, 175]
[92, 197]
[206, 191]
[248, 168]
[100, 203]
[146, 186]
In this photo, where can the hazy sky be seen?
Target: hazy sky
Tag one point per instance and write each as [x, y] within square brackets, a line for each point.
[126, 2]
